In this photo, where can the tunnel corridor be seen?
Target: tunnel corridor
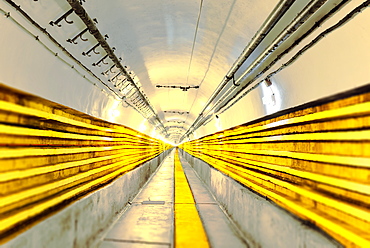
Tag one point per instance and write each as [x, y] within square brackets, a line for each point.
[171, 123]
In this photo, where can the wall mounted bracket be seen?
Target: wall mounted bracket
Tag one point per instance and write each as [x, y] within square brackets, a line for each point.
[63, 17]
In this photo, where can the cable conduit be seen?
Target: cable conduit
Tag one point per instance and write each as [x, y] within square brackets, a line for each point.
[43, 30]
[307, 12]
[80, 11]
[305, 48]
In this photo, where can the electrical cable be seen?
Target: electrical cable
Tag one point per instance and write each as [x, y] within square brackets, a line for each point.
[194, 40]
[343, 21]
[191, 56]
[317, 24]
[43, 30]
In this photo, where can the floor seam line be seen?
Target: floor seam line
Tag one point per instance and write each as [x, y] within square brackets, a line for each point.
[136, 241]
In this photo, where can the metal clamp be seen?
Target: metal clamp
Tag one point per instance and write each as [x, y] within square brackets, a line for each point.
[109, 70]
[121, 84]
[114, 79]
[63, 17]
[91, 50]
[79, 35]
[232, 78]
[101, 61]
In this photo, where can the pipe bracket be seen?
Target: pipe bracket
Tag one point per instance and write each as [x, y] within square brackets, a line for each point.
[63, 17]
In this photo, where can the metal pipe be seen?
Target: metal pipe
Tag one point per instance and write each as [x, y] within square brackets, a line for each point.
[294, 25]
[53, 40]
[270, 22]
[80, 11]
[300, 52]
[267, 26]
[297, 22]
[306, 13]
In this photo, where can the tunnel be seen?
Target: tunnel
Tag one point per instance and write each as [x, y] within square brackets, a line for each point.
[172, 123]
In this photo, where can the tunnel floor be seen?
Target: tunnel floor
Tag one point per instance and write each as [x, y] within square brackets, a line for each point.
[151, 221]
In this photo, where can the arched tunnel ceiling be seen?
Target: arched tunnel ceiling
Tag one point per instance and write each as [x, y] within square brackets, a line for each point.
[170, 44]
[162, 44]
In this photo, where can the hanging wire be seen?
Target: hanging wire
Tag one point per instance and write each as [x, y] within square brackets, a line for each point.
[195, 38]
[191, 55]
[56, 54]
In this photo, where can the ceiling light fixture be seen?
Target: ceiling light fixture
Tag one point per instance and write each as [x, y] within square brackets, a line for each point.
[175, 112]
[179, 122]
[183, 88]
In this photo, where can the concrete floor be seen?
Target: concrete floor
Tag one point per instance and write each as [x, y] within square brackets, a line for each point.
[149, 221]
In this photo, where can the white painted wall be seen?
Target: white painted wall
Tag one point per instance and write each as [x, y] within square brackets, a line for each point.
[339, 62]
[27, 65]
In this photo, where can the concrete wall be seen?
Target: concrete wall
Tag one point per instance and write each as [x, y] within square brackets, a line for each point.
[32, 65]
[263, 223]
[337, 63]
[82, 223]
